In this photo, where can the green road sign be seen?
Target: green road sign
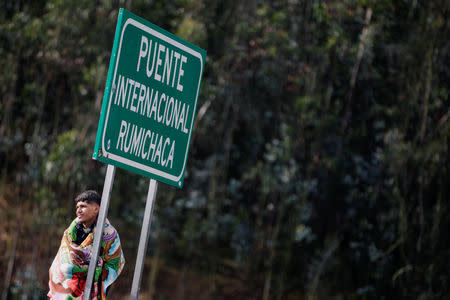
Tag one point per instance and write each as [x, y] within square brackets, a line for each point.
[150, 101]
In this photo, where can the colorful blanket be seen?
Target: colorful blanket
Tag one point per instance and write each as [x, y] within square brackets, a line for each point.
[68, 277]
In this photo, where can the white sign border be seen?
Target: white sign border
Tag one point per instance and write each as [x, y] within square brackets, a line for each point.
[127, 161]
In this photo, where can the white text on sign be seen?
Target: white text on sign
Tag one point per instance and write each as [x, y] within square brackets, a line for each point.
[171, 57]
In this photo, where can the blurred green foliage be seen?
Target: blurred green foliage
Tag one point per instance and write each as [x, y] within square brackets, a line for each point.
[319, 165]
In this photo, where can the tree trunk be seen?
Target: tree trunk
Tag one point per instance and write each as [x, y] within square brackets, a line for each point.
[12, 256]
[426, 100]
[180, 293]
[272, 251]
[321, 267]
[349, 98]
[154, 270]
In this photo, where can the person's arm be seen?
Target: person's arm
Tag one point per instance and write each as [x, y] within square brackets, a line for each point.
[113, 261]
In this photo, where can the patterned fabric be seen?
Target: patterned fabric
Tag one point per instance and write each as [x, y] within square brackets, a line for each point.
[67, 279]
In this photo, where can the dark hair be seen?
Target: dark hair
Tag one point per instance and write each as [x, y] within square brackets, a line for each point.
[89, 197]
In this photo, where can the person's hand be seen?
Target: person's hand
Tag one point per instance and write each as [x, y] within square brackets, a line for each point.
[77, 259]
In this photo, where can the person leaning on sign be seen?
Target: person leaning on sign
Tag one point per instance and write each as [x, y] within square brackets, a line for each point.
[69, 269]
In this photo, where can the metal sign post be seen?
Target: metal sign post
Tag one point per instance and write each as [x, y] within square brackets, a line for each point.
[107, 187]
[145, 231]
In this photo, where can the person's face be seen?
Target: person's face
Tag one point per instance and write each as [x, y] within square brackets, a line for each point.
[87, 212]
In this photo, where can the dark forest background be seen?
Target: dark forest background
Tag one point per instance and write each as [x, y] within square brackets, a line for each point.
[319, 163]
